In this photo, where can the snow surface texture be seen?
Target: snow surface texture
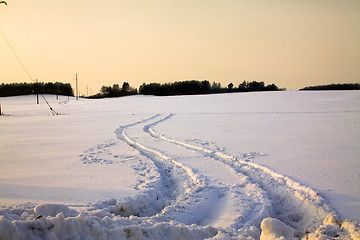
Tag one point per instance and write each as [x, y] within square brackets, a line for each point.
[142, 168]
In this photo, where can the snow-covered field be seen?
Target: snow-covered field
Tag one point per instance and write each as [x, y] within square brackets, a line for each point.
[242, 165]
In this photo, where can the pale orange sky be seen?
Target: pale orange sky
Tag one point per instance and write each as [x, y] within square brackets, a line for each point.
[290, 43]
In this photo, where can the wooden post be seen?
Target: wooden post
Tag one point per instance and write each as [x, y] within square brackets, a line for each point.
[57, 91]
[77, 93]
[0, 109]
[37, 93]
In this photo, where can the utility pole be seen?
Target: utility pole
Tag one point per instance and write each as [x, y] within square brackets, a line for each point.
[77, 93]
[57, 91]
[37, 93]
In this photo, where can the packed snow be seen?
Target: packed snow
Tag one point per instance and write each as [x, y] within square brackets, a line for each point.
[275, 165]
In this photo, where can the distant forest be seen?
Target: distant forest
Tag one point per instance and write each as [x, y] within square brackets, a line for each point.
[346, 86]
[193, 87]
[115, 91]
[190, 87]
[15, 89]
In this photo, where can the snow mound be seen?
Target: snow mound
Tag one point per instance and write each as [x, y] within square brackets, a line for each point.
[52, 210]
[273, 228]
[333, 228]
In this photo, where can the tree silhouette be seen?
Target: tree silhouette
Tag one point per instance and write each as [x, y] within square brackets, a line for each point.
[15, 89]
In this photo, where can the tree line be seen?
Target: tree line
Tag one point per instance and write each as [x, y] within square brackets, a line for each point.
[345, 86]
[193, 87]
[190, 87]
[15, 89]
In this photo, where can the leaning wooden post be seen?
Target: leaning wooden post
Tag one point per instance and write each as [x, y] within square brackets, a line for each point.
[0, 109]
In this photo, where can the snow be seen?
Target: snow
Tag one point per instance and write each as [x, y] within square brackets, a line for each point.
[51, 210]
[272, 228]
[276, 165]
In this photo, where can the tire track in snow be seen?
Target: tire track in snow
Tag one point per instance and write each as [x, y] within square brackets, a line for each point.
[199, 200]
[298, 206]
[250, 203]
[182, 194]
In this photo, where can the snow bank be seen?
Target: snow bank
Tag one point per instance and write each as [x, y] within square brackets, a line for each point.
[87, 227]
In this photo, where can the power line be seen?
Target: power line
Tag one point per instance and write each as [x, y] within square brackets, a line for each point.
[17, 57]
[27, 72]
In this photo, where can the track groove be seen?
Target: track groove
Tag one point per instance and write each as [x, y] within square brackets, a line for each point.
[181, 185]
[298, 206]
